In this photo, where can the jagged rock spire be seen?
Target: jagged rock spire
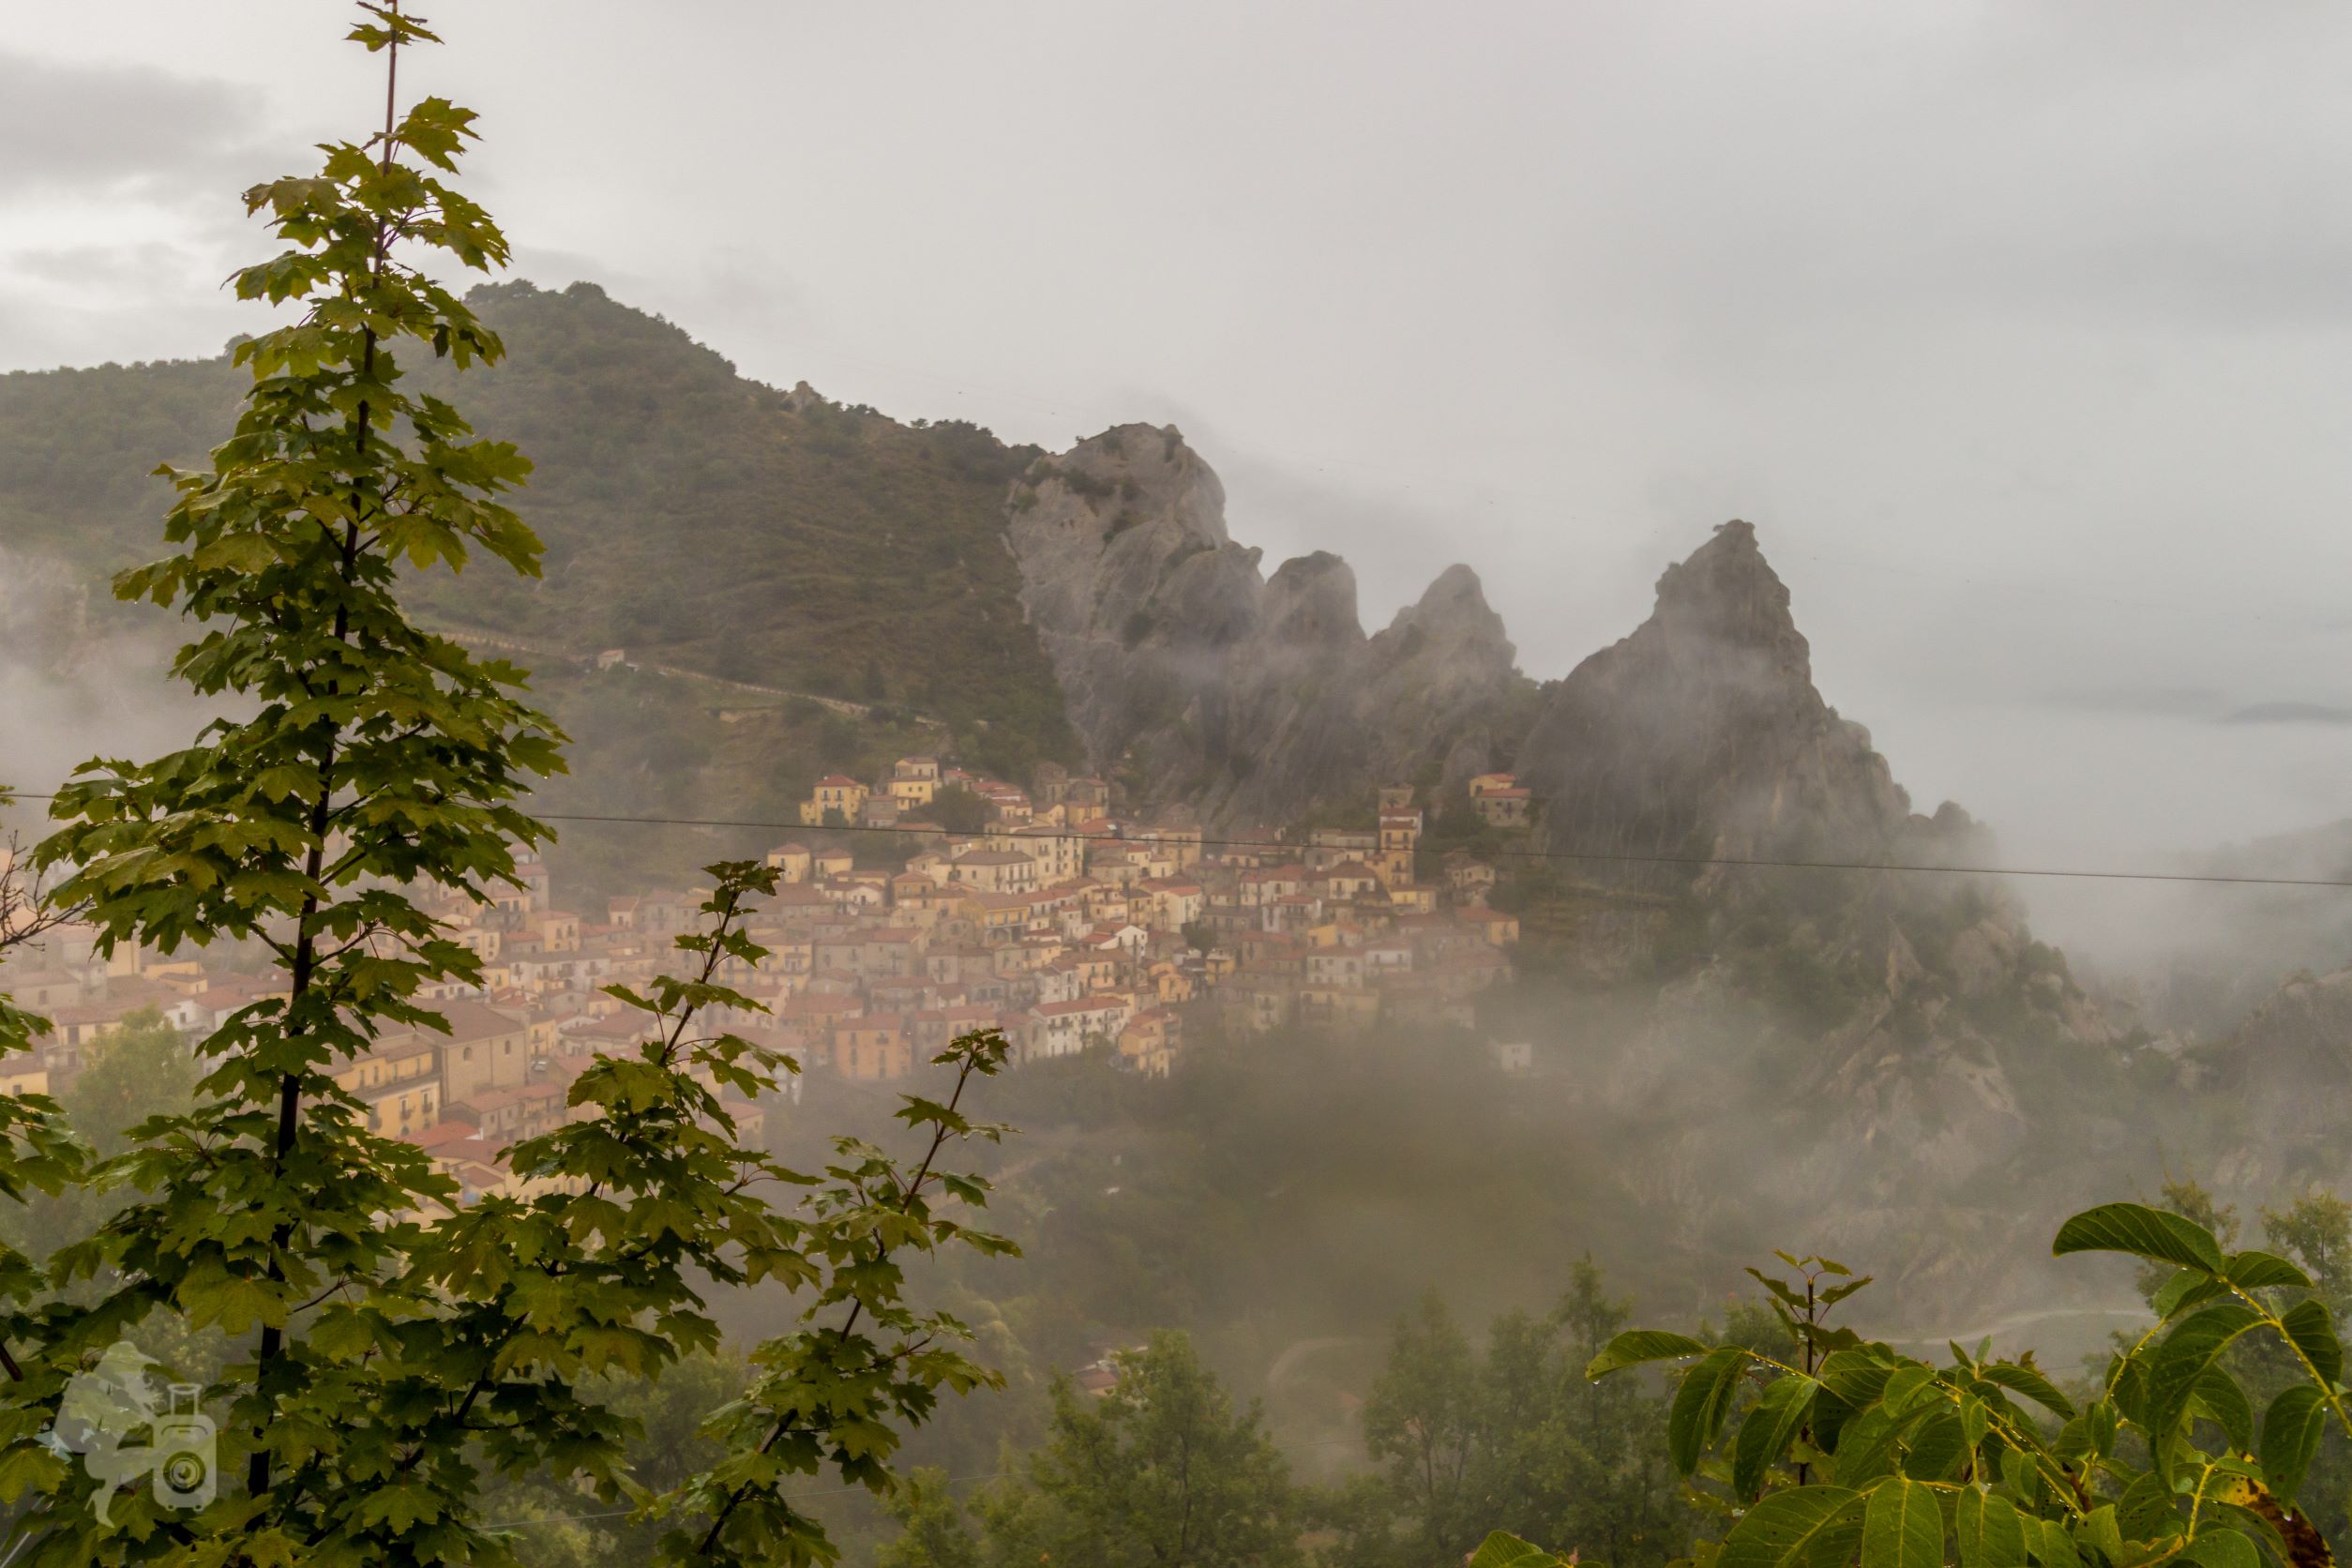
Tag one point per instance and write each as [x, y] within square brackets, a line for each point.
[1702, 733]
[1252, 696]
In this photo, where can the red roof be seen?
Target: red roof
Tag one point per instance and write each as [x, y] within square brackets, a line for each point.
[441, 1137]
[954, 1015]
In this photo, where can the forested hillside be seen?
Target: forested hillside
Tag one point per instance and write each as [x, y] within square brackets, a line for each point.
[694, 517]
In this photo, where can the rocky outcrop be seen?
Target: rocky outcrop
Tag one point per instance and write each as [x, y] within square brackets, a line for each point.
[1441, 678]
[1695, 759]
[1701, 736]
[2288, 1066]
[1198, 680]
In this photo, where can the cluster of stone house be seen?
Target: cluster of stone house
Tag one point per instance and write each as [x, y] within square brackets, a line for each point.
[900, 798]
[1067, 930]
[1060, 926]
[1499, 800]
[500, 1073]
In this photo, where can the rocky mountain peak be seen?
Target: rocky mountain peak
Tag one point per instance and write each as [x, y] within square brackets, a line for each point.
[1135, 476]
[1702, 733]
[1454, 611]
[1252, 697]
[1312, 598]
[1726, 593]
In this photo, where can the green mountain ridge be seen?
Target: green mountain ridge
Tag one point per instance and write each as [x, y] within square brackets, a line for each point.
[693, 517]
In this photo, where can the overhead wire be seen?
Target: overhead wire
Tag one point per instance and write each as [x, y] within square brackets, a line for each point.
[1564, 856]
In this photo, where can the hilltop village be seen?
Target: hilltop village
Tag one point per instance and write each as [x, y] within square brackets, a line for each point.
[1048, 918]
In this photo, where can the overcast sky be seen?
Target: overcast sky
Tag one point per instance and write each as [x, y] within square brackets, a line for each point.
[2023, 332]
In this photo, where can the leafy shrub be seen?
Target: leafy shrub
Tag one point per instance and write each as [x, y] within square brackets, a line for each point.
[1849, 1450]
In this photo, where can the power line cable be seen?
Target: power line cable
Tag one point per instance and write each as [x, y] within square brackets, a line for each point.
[1759, 861]
[1563, 856]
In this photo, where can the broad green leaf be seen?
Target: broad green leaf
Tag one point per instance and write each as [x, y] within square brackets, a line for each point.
[1798, 1527]
[1780, 1288]
[2257, 1527]
[2144, 1512]
[2101, 1418]
[2143, 1232]
[2258, 1271]
[2187, 1288]
[2101, 1529]
[2191, 1351]
[2127, 1385]
[1772, 1425]
[1938, 1447]
[1909, 1385]
[1968, 1526]
[2291, 1430]
[2028, 1381]
[1702, 1404]
[1830, 1416]
[1642, 1345]
[1991, 1534]
[1868, 1447]
[2020, 1476]
[1857, 1376]
[400, 1504]
[2312, 1327]
[28, 1467]
[235, 1302]
[2220, 1399]
[1502, 1549]
[2004, 1534]
[2048, 1541]
[2218, 1548]
[1838, 1293]
[1903, 1527]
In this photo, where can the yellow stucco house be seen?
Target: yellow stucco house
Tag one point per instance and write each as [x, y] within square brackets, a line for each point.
[834, 792]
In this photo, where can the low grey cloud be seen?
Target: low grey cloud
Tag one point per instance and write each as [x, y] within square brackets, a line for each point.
[2289, 712]
[135, 265]
[2199, 704]
[70, 126]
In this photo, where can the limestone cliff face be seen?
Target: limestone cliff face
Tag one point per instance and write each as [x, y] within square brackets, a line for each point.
[1699, 742]
[1703, 735]
[1202, 681]
[1439, 679]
